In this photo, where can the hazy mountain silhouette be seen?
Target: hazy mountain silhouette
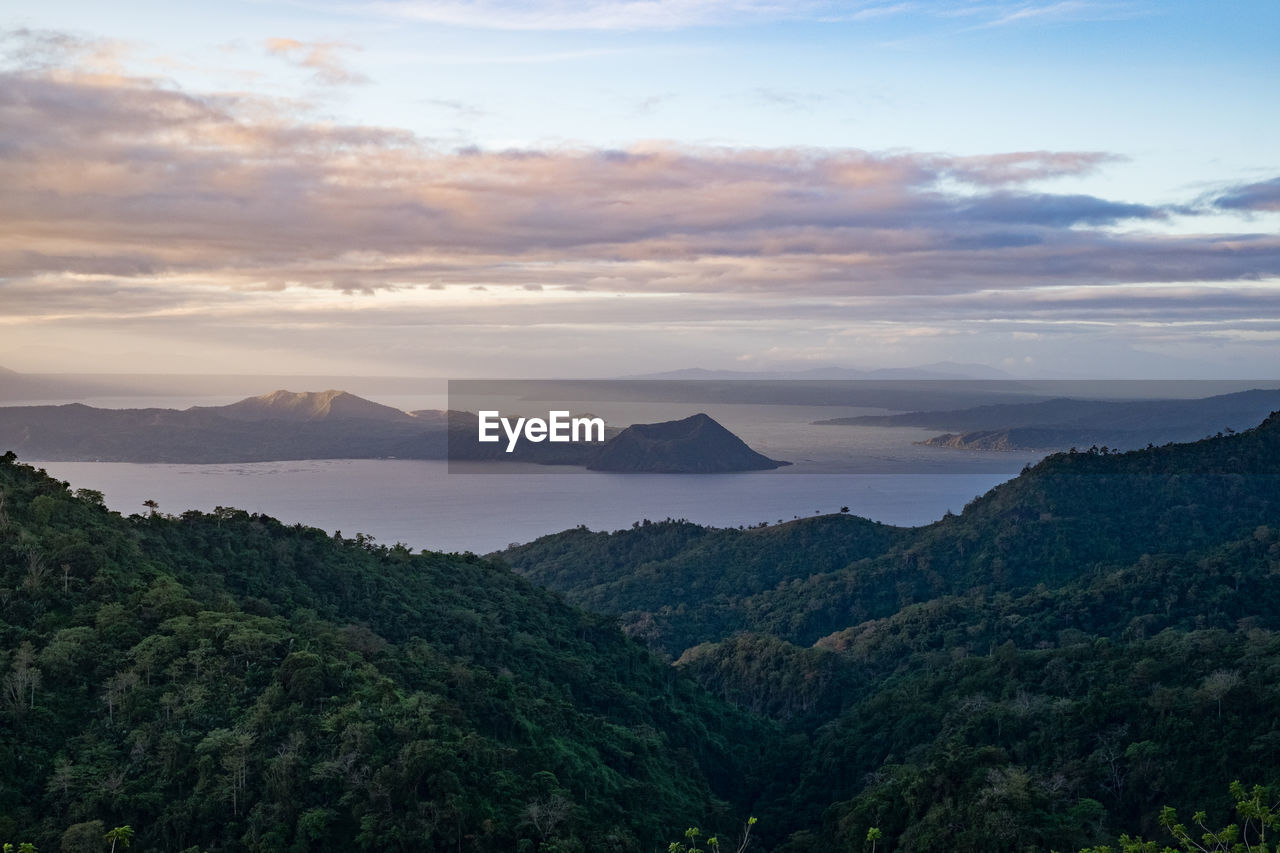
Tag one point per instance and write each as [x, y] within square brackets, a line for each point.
[937, 370]
[1063, 422]
[695, 445]
[307, 406]
[286, 425]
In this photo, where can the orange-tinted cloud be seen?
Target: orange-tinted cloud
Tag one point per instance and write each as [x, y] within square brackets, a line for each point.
[322, 58]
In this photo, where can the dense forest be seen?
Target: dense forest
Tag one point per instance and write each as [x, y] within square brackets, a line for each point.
[221, 681]
[1080, 647]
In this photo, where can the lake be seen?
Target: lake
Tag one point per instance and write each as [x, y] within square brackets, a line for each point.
[880, 473]
[424, 506]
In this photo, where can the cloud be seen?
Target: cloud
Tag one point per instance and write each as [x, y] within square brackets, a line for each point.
[523, 57]
[322, 58]
[648, 105]
[789, 100]
[1056, 210]
[676, 14]
[1059, 11]
[460, 109]
[49, 49]
[129, 180]
[1264, 195]
[605, 14]
[1024, 166]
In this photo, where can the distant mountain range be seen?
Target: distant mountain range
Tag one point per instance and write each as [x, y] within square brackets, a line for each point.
[29, 388]
[285, 425]
[1062, 423]
[938, 370]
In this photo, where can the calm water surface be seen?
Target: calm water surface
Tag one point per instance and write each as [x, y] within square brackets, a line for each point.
[424, 506]
[878, 473]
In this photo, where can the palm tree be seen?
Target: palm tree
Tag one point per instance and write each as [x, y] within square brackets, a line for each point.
[123, 834]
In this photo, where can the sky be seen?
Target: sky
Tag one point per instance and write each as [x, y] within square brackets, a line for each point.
[588, 188]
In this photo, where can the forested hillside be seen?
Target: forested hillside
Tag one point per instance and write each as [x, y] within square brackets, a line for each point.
[224, 682]
[679, 583]
[803, 580]
[1082, 646]
[1043, 721]
[1096, 639]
